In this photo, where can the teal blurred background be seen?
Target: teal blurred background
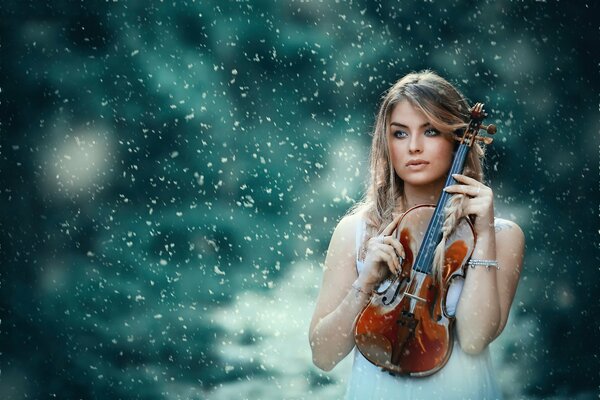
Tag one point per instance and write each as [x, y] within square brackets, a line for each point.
[171, 173]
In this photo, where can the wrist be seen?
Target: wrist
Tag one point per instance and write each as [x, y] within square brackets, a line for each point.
[484, 226]
[361, 292]
[363, 285]
[476, 262]
[485, 232]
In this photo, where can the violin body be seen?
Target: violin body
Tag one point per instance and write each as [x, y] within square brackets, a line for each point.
[405, 328]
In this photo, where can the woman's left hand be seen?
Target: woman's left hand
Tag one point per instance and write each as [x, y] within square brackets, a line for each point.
[479, 201]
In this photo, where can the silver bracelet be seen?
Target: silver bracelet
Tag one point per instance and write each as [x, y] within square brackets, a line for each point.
[359, 289]
[483, 263]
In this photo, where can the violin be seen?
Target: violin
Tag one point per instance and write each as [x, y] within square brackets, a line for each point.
[405, 328]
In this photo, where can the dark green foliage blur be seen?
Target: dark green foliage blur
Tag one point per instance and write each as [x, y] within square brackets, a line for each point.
[161, 160]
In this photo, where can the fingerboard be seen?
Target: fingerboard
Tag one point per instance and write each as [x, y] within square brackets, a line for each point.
[433, 234]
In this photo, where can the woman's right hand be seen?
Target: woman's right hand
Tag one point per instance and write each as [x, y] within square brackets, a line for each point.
[381, 257]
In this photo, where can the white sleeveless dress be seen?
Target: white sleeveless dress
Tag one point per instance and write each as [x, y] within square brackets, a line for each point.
[463, 377]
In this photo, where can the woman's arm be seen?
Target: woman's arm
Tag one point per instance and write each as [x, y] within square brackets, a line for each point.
[331, 329]
[510, 248]
[332, 326]
[487, 295]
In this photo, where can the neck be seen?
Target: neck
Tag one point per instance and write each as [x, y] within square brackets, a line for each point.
[425, 194]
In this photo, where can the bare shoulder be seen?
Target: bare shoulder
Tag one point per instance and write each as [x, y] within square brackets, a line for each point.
[501, 224]
[342, 247]
[345, 231]
[350, 222]
[340, 267]
[504, 226]
[510, 249]
[509, 236]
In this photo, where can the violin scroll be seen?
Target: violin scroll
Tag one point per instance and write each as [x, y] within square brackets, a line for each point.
[471, 134]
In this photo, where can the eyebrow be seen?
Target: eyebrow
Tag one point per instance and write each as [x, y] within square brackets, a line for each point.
[426, 124]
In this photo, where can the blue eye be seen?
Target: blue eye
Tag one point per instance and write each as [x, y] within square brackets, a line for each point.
[432, 132]
[400, 134]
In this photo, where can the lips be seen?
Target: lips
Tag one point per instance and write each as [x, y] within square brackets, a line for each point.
[416, 162]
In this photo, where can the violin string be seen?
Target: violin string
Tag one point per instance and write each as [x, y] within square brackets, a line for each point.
[438, 216]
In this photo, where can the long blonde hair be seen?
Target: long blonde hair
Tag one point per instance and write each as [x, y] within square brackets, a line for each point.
[447, 110]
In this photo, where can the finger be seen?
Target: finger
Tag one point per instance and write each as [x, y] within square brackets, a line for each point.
[383, 256]
[391, 259]
[393, 265]
[465, 179]
[465, 189]
[390, 228]
[386, 258]
[394, 256]
[395, 243]
[399, 249]
[394, 269]
[460, 189]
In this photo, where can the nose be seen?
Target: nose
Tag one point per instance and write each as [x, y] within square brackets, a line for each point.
[415, 145]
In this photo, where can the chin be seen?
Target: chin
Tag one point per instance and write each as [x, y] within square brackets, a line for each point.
[423, 181]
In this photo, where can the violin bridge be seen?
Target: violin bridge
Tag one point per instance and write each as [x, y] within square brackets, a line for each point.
[412, 296]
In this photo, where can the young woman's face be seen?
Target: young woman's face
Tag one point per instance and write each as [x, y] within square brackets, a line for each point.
[421, 155]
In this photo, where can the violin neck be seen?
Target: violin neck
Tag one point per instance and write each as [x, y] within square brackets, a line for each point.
[433, 234]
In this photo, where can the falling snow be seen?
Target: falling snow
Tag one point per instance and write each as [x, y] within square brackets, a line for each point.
[172, 174]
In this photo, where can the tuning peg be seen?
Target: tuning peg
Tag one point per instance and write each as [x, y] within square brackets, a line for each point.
[484, 139]
[491, 128]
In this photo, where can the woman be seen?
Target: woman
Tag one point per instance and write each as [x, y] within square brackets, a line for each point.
[411, 154]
